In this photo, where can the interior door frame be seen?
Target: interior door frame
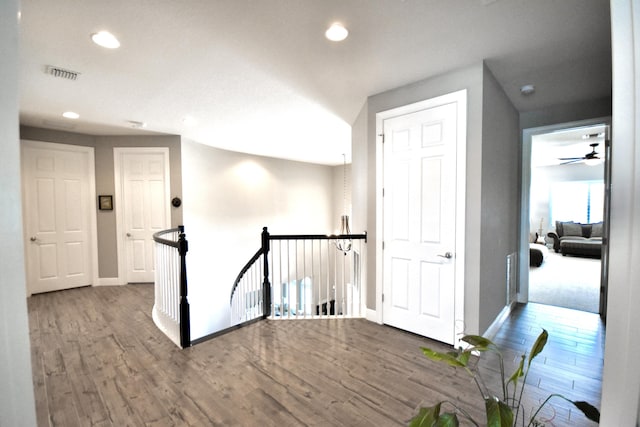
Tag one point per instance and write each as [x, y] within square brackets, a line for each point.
[525, 208]
[461, 172]
[91, 203]
[119, 198]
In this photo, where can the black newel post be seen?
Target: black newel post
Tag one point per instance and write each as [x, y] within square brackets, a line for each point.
[266, 286]
[185, 319]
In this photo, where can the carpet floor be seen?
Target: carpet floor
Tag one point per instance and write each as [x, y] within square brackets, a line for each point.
[566, 281]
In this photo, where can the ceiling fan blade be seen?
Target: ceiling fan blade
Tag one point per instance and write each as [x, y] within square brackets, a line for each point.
[570, 161]
[593, 155]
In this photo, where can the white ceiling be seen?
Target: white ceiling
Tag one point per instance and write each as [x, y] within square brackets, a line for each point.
[258, 76]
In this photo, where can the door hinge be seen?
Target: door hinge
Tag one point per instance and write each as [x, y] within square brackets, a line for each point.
[383, 192]
[382, 297]
[383, 245]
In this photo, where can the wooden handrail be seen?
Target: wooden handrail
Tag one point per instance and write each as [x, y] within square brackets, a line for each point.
[244, 270]
[173, 243]
[318, 236]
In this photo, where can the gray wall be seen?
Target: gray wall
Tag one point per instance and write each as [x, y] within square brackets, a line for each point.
[566, 113]
[105, 184]
[491, 184]
[500, 205]
[359, 170]
[17, 407]
[365, 142]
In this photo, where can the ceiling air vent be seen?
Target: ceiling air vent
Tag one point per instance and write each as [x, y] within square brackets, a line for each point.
[62, 73]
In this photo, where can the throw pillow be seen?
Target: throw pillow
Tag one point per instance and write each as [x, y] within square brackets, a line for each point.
[571, 229]
[596, 229]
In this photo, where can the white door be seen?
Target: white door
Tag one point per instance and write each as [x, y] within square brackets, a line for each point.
[143, 208]
[58, 194]
[420, 249]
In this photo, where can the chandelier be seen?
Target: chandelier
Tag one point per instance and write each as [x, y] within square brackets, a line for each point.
[344, 244]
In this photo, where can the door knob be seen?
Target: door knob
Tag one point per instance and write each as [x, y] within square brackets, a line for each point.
[447, 255]
[33, 238]
[128, 234]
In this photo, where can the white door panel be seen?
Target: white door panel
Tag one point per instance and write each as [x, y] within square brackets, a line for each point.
[143, 188]
[58, 209]
[400, 283]
[431, 198]
[419, 220]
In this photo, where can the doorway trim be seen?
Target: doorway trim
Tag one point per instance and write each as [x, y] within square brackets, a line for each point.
[523, 250]
[119, 198]
[460, 97]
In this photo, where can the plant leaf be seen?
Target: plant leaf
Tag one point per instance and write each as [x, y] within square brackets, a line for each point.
[538, 346]
[498, 413]
[443, 357]
[447, 419]
[426, 417]
[519, 372]
[464, 357]
[588, 410]
[480, 343]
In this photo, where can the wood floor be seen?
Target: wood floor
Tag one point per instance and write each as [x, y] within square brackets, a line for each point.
[98, 360]
[571, 363]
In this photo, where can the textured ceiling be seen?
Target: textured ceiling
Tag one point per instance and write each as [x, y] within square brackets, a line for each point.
[258, 76]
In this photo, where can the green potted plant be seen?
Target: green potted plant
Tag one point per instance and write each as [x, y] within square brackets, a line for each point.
[501, 411]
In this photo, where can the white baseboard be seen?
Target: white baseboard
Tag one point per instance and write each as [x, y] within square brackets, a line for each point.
[493, 329]
[108, 281]
[372, 316]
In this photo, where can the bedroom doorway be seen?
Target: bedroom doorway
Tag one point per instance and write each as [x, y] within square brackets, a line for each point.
[565, 212]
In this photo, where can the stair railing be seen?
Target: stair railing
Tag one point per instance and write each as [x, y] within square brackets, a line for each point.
[171, 306]
[247, 294]
[301, 277]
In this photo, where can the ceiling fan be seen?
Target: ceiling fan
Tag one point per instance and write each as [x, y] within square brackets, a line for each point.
[589, 158]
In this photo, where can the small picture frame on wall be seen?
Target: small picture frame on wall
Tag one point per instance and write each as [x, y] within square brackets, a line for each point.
[105, 203]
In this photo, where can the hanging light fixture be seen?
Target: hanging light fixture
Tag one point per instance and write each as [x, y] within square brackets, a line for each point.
[344, 244]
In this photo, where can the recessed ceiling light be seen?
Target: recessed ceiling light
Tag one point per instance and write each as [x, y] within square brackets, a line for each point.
[336, 32]
[527, 89]
[593, 135]
[105, 39]
[70, 115]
